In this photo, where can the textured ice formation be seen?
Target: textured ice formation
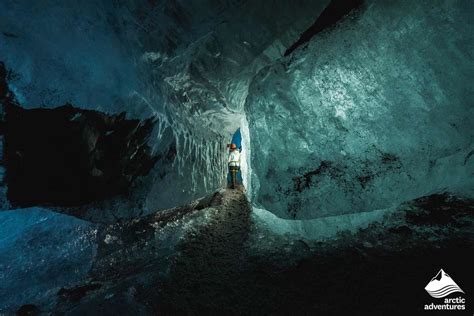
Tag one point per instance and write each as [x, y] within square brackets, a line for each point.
[317, 229]
[40, 252]
[373, 112]
[362, 115]
[189, 63]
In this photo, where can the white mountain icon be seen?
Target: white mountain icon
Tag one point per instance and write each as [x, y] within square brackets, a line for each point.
[442, 285]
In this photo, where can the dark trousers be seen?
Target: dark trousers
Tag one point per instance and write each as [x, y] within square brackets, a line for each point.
[233, 175]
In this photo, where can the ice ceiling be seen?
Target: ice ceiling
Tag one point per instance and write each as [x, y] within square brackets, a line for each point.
[369, 113]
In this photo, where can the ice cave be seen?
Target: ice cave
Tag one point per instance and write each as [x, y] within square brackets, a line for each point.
[355, 124]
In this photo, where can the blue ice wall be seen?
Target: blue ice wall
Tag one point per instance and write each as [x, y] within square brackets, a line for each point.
[373, 112]
[237, 138]
[69, 51]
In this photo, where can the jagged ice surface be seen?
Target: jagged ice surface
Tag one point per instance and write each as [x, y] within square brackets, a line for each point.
[372, 113]
[189, 63]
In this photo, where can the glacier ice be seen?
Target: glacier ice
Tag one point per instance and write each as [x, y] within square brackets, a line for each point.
[317, 229]
[373, 112]
[189, 63]
[370, 113]
[40, 252]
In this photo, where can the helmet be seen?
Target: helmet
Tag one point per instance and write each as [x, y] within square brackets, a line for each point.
[233, 146]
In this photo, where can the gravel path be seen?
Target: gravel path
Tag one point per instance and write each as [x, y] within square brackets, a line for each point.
[211, 261]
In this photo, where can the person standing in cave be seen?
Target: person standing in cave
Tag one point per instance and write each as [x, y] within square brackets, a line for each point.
[234, 164]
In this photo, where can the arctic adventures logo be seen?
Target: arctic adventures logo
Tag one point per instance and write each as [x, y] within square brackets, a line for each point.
[441, 286]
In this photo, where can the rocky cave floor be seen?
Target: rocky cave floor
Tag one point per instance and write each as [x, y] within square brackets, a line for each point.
[221, 262]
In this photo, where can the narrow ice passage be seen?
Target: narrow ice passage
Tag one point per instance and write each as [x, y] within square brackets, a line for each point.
[237, 140]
